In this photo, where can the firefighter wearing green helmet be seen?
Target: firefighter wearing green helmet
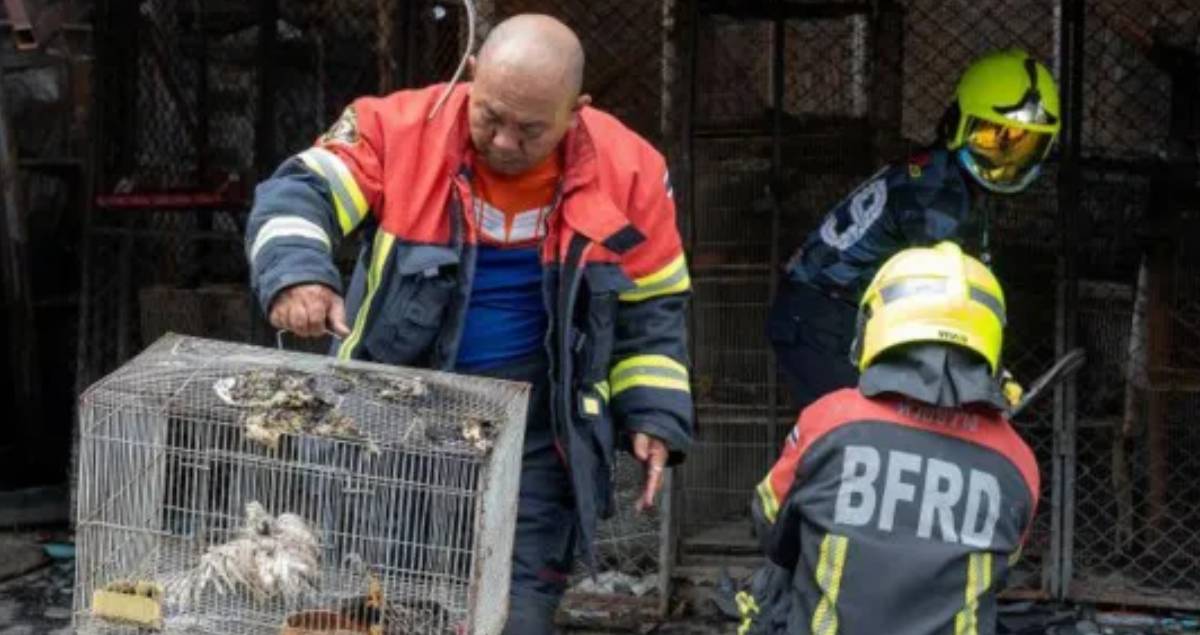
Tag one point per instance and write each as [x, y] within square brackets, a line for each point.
[993, 139]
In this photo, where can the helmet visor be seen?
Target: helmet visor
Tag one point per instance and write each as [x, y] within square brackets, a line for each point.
[1003, 155]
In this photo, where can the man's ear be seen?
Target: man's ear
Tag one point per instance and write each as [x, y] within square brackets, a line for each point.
[471, 67]
[580, 103]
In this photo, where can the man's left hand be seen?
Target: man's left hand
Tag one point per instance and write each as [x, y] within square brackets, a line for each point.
[653, 453]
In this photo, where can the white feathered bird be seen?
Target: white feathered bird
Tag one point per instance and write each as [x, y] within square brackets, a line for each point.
[271, 558]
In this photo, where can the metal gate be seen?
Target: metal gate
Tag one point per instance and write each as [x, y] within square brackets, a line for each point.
[792, 103]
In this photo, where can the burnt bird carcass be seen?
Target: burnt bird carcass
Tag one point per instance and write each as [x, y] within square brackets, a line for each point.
[232, 489]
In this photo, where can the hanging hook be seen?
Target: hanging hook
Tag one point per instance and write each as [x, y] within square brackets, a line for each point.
[462, 64]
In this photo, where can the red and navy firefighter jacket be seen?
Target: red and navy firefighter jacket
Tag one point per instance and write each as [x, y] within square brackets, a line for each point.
[616, 283]
[896, 517]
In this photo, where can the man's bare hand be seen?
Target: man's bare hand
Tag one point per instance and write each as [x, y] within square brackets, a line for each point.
[653, 454]
[309, 310]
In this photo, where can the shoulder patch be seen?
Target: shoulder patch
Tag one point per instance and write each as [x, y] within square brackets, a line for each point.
[917, 163]
[344, 130]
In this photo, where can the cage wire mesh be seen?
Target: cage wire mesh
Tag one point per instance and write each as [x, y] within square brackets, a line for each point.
[256, 488]
[744, 219]
[1134, 535]
[179, 103]
[334, 52]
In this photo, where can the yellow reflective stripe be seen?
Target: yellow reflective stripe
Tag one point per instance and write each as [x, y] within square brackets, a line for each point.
[979, 580]
[747, 608]
[380, 250]
[648, 371]
[603, 389]
[829, 578]
[348, 199]
[672, 278]
[766, 494]
[649, 381]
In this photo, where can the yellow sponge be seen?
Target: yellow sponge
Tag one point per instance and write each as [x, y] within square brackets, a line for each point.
[137, 603]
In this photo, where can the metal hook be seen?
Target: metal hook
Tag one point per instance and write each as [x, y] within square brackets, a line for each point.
[462, 64]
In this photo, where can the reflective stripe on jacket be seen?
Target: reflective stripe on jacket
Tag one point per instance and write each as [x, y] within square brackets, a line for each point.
[896, 517]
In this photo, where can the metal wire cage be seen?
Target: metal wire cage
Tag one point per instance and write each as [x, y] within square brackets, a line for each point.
[251, 489]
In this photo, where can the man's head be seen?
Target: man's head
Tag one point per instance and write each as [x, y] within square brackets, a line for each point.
[1004, 120]
[931, 294]
[526, 91]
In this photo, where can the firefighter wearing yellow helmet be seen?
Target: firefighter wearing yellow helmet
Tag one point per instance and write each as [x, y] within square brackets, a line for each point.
[931, 295]
[914, 480]
[994, 138]
[1005, 118]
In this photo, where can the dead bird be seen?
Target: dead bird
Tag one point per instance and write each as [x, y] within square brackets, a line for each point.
[480, 433]
[339, 426]
[271, 557]
[280, 402]
[397, 389]
[261, 386]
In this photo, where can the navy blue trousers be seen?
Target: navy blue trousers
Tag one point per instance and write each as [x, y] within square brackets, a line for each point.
[546, 526]
[812, 335]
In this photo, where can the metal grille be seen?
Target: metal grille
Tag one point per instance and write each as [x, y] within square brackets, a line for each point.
[1133, 531]
[338, 51]
[858, 88]
[202, 100]
[1116, 450]
[404, 478]
[136, 260]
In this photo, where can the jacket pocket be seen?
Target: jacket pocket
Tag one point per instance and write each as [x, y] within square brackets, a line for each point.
[415, 310]
[595, 356]
[598, 322]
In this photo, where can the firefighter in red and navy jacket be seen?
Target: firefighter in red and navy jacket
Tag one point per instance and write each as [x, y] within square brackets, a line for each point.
[511, 231]
[899, 506]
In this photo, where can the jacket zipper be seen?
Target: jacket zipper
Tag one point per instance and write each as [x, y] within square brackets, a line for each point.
[566, 309]
[466, 270]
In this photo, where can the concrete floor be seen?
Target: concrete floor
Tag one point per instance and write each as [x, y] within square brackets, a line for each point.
[35, 599]
[38, 603]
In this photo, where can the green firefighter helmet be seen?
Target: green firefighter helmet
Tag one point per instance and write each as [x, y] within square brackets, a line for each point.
[1008, 117]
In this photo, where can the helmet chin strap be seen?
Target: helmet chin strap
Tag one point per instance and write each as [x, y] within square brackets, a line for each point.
[985, 235]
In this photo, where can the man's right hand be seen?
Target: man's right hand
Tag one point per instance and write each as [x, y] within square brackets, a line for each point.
[309, 310]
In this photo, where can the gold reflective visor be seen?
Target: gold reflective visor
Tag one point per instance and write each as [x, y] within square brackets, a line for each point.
[1004, 154]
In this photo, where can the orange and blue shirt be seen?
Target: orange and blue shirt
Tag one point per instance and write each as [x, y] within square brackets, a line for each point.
[506, 316]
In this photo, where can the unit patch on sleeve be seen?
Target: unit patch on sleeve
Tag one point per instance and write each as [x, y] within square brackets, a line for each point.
[344, 130]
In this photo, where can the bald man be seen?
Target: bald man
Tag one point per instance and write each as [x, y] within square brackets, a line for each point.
[514, 232]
